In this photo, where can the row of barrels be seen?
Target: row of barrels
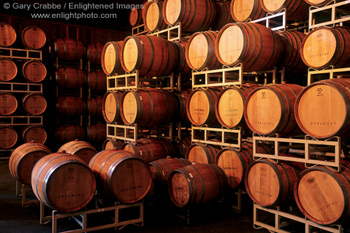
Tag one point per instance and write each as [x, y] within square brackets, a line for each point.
[94, 133]
[70, 106]
[11, 136]
[32, 71]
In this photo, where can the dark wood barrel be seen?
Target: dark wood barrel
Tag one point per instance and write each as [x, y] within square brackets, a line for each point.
[201, 107]
[8, 70]
[324, 47]
[223, 15]
[82, 149]
[320, 2]
[70, 77]
[150, 149]
[34, 104]
[291, 60]
[183, 97]
[253, 45]
[200, 51]
[8, 137]
[148, 107]
[8, 104]
[34, 71]
[110, 58]
[150, 55]
[270, 184]
[110, 143]
[94, 52]
[229, 108]
[123, 176]
[23, 159]
[295, 10]
[242, 10]
[270, 109]
[70, 106]
[135, 17]
[33, 37]
[63, 181]
[96, 132]
[194, 15]
[8, 35]
[152, 13]
[318, 114]
[199, 153]
[34, 133]
[182, 146]
[69, 49]
[94, 106]
[196, 184]
[111, 106]
[323, 194]
[97, 80]
[67, 133]
[182, 66]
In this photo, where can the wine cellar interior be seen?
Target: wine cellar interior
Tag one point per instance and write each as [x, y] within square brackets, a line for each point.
[175, 116]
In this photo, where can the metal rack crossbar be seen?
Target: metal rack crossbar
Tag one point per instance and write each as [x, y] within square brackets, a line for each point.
[330, 72]
[26, 54]
[21, 87]
[274, 21]
[139, 30]
[172, 33]
[21, 120]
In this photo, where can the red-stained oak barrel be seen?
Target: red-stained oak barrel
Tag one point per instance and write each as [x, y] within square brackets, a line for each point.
[82, 149]
[70, 106]
[33, 37]
[252, 44]
[8, 137]
[69, 49]
[320, 2]
[200, 51]
[135, 17]
[8, 104]
[150, 149]
[63, 181]
[94, 106]
[199, 153]
[196, 184]
[23, 159]
[270, 109]
[270, 184]
[94, 52]
[152, 14]
[182, 66]
[242, 10]
[223, 15]
[70, 77]
[182, 146]
[295, 9]
[110, 143]
[34, 133]
[111, 106]
[148, 107]
[110, 58]
[235, 162]
[96, 132]
[324, 47]
[201, 107]
[34, 104]
[67, 133]
[123, 176]
[194, 15]
[150, 55]
[97, 80]
[321, 109]
[183, 97]
[291, 60]
[323, 194]
[34, 71]
[229, 108]
[8, 35]
[8, 70]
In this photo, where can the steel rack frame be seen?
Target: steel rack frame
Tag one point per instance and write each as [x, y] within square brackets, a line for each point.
[21, 120]
[276, 22]
[21, 87]
[25, 54]
[329, 71]
[139, 30]
[171, 33]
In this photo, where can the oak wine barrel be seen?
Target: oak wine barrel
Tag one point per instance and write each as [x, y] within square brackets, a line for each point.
[97, 80]
[148, 107]
[8, 35]
[110, 143]
[69, 49]
[23, 159]
[324, 47]
[182, 100]
[34, 71]
[223, 15]
[8, 70]
[94, 52]
[123, 176]
[8, 137]
[252, 44]
[270, 109]
[135, 17]
[96, 132]
[200, 51]
[320, 2]
[111, 106]
[110, 58]
[242, 10]
[34, 133]
[8, 104]
[34, 104]
[70, 77]
[152, 13]
[199, 153]
[196, 184]
[70, 106]
[63, 181]
[67, 133]
[94, 106]
[295, 9]
[33, 37]
[82, 149]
